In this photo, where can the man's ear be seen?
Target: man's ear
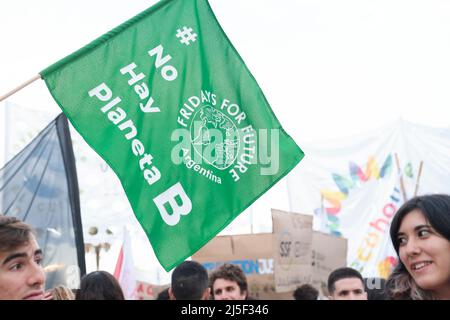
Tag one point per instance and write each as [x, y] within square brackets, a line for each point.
[171, 296]
[206, 294]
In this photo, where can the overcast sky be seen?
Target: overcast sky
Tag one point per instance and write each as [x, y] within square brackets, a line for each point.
[328, 68]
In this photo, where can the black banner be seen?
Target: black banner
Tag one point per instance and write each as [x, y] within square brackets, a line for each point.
[39, 186]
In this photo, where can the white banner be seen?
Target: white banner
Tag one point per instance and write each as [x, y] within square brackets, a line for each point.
[354, 186]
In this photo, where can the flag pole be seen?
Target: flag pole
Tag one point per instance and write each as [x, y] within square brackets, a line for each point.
[402, 185]
[418, 178]
[23, 85]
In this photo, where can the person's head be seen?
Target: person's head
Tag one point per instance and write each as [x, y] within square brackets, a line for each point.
[99, 285]
[21, 273]
[306, 292]
[189, 282]
[163, 295]
[346, 284]
[375, 288]
[228, 282]
[420, 233]
[62, 293]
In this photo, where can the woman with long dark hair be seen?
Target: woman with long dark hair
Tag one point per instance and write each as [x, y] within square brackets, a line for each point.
[420, 233]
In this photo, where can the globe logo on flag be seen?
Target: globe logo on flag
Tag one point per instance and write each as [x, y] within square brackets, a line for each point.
[214, 137]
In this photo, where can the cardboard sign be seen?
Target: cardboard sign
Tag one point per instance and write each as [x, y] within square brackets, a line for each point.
[328, 253]
[309, 258]
[292, 243]
[254, 253]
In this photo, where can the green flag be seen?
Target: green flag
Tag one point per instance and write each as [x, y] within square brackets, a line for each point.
[169, 104]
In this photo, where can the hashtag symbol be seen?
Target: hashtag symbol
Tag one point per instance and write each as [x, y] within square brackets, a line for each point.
[186, 35]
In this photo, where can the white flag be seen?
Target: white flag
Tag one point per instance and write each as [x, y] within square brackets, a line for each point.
[124, 271]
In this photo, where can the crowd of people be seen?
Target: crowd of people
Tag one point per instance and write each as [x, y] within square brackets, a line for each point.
[420, 234]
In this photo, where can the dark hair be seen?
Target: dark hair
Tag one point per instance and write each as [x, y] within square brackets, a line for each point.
[342, 273]
[163, 295]
[306, 292]
[13, 233]
[436, 209]
[229, 272]
[99, 285]
[375, 288]
[189, 281]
